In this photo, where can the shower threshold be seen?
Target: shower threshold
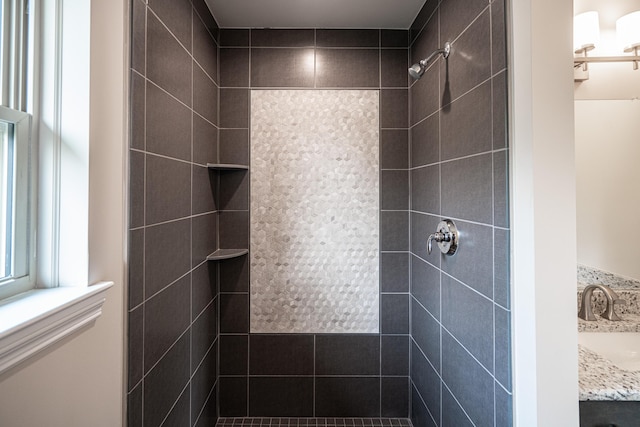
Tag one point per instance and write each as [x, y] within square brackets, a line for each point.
[313, 422]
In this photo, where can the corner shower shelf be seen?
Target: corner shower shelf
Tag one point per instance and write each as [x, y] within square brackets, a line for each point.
[227, 167]
[221, 254]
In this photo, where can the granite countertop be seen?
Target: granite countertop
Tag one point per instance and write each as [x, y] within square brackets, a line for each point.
[629, 323]
[599, 379]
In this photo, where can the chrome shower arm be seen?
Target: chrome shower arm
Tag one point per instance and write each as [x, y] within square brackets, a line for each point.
[444, 51]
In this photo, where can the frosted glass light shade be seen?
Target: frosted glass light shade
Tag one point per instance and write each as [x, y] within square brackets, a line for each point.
[628, 31]
[586, 31]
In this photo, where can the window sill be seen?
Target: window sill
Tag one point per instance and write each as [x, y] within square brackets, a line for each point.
[34, 320]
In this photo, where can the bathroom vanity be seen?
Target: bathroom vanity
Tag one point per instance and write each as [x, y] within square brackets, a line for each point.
[609, 364]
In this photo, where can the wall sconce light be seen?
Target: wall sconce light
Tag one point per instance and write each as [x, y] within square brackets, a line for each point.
[586, 35]
[628, 32]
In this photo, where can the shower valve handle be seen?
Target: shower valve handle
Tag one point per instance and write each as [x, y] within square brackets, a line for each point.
[446, 237]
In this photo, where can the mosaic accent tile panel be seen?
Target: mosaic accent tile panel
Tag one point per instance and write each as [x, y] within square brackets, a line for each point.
[314, 211]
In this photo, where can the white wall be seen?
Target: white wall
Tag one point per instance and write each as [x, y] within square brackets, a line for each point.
[80, 381]
[543, 214]
[608, 180]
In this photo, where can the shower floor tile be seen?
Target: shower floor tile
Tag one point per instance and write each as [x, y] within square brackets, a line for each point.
[314, 422]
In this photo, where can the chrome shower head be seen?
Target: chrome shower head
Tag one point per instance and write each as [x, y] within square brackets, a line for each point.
[417, 70]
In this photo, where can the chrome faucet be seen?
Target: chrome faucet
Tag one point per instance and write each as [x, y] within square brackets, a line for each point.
[586, 310]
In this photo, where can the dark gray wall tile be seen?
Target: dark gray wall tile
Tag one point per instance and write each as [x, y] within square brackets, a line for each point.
[281, 397]
[393, 67]
[168, 125]
[347, 38]
[168, 185]
[452, 413]
[205, 95]
[283, 37]
[234, 230]
[347, 397]
[200, 8]
[230, 37]
[469, 317]
[203, 237]
[136, 188]
[203, 334]
[393, 108]
[394, 353]
[203, 287]
[203, 190]
[425, 189]
[426, 44]
[419, 414]
[176, 15]
[168, 63]
[234, 67]
[134, 407]
[501, 269]
[209, 414]
[425, 15]
[234, 313]
[473, 262]
[233, 396]
[205, 49]
[394, 149]
[394, 272]
[394, 231]
[281, 355]
[160, 330]
[135, 337]
[463, 72]
[456, 15]
[425, 95]
[425, 142]
[136, 268]
[347, 68]
[234, 275]
[202, 383]
[205, 141]
[421, 226]
[471, 385]
[282, 67]
[180, 413]
[394, 190]
[234, 108]
[498, 36]
[234, 354]
[501, 188]
[165, 382]
[503, 347]
[234, 146]
[347, 355]
[394, 38]
[467, 188]
[425, 285]
[162, 266]
[504, 410]
[138, 36]
[466, 124]
[137, 113]
[395, 397]
[500, 132]
[425, 332]
[234, 190]
[426, 382]
[394, 314]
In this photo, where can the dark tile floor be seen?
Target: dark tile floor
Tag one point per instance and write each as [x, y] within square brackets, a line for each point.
[314, 422]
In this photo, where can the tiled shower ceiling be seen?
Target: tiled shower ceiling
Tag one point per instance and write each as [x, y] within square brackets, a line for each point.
[398, 14]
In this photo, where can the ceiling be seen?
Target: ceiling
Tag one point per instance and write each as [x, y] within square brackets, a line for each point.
[393, 14]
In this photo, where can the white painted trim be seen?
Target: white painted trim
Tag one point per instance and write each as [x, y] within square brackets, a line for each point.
[34, 320]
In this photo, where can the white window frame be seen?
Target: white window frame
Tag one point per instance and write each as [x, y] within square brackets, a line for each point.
[62, 301]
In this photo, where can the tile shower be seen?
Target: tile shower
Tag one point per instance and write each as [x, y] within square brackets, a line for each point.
[440, 353]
